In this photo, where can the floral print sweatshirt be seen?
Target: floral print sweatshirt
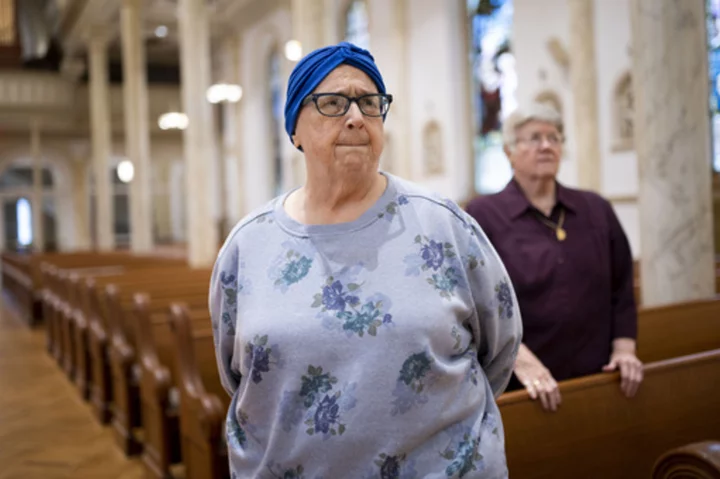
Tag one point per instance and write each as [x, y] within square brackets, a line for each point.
[369, 349]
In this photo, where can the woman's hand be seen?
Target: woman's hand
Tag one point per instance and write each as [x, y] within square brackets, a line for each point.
[624, 358]
[537, 379]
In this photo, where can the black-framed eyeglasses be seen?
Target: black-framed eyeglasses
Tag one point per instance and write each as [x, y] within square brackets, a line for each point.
[337, 104]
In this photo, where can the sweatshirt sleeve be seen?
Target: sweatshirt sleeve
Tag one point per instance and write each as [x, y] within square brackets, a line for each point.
[223, 313]
[498, 324]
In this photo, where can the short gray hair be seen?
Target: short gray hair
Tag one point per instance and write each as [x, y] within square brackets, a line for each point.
[534, 112]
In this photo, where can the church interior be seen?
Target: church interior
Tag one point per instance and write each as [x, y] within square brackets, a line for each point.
[136, 134]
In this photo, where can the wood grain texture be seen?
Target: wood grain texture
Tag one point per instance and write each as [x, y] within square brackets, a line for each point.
[46, 430]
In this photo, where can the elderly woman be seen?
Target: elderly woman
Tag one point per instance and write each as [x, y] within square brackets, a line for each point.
[569, 261]
[363, 325]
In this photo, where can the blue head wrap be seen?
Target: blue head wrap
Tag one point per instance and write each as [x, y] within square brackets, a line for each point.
[313, 69]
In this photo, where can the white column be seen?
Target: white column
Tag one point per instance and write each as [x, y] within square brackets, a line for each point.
[583, 80]
[333, 21]
[101, 142]
[198, 137]
[137, 134]
[672, 140]
[234, 195]
[308, 24]
[388, 44]
[37, 195]
[81, 210]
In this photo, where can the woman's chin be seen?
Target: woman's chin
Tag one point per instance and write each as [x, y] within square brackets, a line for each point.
[357, 162]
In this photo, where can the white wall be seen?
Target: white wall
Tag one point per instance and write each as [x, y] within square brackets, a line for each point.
[619, 168]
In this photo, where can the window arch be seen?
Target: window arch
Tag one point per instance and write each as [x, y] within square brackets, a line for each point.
[19, 207]
[357, 29]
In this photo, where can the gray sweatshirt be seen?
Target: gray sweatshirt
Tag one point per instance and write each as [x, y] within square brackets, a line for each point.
[369, 349]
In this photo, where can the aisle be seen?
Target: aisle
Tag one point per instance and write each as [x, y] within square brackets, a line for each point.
[46, 430]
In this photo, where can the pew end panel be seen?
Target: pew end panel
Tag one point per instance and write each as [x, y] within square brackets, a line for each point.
[50, 305]
[699, 460]
[79, 329]
[202, 413]
[160, 414]
[121, 355]
[101, 385]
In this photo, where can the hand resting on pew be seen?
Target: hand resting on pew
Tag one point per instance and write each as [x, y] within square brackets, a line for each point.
[537, 379]
[631, 368]
[539, 382]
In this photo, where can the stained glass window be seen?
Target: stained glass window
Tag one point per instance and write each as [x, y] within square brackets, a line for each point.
[713, 33]
[494, 83]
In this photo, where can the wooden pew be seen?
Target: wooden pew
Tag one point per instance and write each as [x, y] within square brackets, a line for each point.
[203, 401]
[57, 268]
[18, 283]
[159, 379]
[598, 433]
[73, 315]
[97, 335]
[22, 276]
[699, 460]
[677, 330]
[125, 368]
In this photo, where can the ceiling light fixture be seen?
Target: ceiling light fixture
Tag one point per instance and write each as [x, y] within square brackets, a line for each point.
[224, 92]
[126, 171]
[173, 121]
[293, 50]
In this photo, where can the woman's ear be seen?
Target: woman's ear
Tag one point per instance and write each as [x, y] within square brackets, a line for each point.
[509, 153]
[295, 141]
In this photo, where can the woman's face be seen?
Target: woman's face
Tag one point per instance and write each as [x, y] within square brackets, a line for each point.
[353, 142]
[538, 150]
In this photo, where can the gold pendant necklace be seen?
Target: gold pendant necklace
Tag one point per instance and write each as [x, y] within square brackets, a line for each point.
[560, 232]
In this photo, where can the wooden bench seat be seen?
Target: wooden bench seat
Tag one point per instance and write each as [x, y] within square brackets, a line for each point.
[55, 298]
[98, 329]
[598, 433]
[203, 400]
[72, 308]
[57, 292]
[24, 273]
